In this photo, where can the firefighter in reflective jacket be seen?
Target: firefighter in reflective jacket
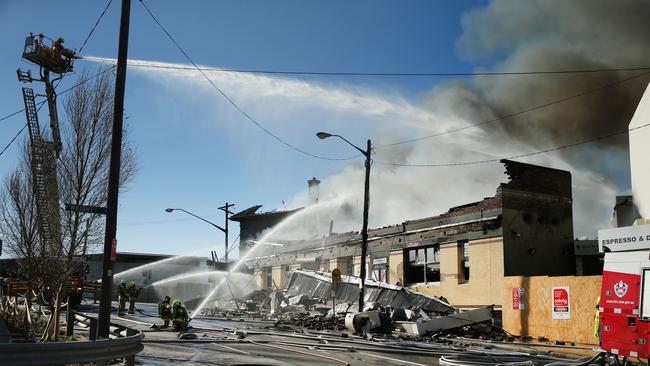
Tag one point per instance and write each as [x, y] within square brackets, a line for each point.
[60, 49]
[133, 292]
[179, 315]
[165, 311]
[121, 298]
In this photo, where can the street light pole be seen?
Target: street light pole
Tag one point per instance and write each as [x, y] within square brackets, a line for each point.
[366, 206]
[225, 231]
[225, 210]
[364, 229]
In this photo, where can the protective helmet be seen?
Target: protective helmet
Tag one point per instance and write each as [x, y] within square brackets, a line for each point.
[132, 283]
[176, 302]
[122, 282]
[166, 299]
[60, 40]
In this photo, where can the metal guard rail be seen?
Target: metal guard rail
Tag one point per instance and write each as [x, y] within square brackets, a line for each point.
[35, 354]
[99, 351]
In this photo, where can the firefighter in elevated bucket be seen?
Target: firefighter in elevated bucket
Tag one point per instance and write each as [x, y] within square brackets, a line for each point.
[165, 311]
[179, 315]
[121, 297]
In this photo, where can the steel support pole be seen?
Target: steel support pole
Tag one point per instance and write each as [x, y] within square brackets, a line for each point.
[364, 229]
[225, 231]
[114, 174]
[226, 235]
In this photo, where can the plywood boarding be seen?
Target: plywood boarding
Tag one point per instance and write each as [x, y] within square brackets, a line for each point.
[396, 267]
[536, 318]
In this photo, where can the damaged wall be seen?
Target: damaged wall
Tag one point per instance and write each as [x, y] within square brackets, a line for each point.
[538, 221]
[486, 285]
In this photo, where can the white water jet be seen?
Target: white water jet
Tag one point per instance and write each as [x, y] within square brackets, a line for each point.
[289, 219]
[186, 276]
[157, 263]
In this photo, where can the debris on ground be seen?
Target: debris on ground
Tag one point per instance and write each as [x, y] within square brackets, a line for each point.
[389, 310]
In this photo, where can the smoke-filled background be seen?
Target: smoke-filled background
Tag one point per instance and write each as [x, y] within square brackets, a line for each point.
[504, 36]
[513, 36]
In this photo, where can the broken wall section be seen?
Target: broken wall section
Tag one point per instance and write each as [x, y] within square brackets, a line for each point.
[319, 285]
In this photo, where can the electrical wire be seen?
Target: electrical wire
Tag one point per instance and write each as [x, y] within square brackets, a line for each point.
[92, 30]
[514, 114]
[396, 74]
[40, 105]
[13, 139]
[231, 101]
[476, 162]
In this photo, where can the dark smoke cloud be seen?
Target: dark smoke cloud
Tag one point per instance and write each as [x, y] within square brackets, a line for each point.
[513, 35]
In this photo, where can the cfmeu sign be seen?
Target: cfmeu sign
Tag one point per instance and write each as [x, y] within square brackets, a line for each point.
[624, 238]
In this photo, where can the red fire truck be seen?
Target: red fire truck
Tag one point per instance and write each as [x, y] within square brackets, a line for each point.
[624, 308]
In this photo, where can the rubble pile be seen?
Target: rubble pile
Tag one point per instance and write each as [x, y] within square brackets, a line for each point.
[311, 302]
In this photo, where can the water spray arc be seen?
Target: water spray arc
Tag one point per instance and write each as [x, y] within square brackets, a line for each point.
[184, 277]
[281, 225]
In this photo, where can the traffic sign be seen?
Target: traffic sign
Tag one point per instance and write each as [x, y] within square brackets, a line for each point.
[336, 275]
[86, 209]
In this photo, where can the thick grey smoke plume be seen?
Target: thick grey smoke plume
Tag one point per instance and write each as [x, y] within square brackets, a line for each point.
[512, 35]
[551, 35]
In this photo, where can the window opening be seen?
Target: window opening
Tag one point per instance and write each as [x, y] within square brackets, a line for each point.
[423, 265]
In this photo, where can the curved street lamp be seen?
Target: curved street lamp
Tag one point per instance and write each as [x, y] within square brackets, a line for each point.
[366, 205]
[225, 231]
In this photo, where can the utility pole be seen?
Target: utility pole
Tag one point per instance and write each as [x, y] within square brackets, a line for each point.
[364, 228]
[224, 208]
[110, 241]
[366, 206]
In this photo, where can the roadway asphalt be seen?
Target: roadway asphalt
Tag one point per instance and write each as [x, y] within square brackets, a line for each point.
[221, 341]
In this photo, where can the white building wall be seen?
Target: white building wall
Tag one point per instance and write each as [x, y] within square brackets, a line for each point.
[640, 155]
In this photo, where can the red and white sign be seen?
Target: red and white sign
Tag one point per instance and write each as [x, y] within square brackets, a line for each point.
[114, 250]
[518, 298]
[561, 302]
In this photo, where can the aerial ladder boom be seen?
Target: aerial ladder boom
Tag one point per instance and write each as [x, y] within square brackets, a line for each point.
[44, 183]
[51, 57]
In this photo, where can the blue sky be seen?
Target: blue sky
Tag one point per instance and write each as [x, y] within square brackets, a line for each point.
[185, 161]
[196, 151]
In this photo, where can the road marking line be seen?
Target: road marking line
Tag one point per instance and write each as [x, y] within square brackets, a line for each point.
[132, 321]
[393, 359]
[232, 349]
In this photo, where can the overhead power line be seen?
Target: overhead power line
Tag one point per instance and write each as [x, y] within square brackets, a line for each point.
[556, 148]
[63, 92]
[90, 33]
[40, 105]
[13, 139]
[153, 65]
[514, 114]
[232, 102]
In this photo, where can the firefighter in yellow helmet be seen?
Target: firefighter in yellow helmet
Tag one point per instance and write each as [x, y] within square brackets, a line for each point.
[133, 291]
[165, 311]
[59, 48]
[121, 297]
[179, 315]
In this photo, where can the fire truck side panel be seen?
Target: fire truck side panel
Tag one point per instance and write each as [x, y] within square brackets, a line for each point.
[622, 332]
